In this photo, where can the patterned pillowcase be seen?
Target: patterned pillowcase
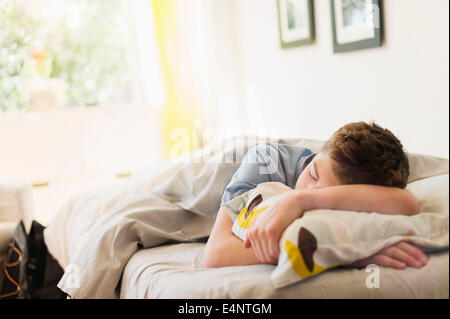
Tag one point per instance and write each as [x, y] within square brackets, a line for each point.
[325, 239]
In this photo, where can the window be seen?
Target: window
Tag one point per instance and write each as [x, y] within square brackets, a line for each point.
[63, 53]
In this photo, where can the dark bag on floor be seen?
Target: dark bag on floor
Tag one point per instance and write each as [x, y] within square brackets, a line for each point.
[29, 271]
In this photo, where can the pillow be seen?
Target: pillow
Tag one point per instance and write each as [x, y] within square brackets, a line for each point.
[325, 239]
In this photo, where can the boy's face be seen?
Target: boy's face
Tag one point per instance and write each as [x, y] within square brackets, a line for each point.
[317, 173]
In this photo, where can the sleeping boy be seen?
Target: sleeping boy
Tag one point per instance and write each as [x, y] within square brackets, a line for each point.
[362, 168]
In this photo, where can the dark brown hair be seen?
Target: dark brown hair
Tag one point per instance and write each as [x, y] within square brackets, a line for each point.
[367, 154]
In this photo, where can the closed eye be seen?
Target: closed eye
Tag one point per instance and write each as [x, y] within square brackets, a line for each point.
[312, 176]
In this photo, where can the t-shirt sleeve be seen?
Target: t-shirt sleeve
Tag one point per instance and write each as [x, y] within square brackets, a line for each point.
[259, 165]
[237, 204]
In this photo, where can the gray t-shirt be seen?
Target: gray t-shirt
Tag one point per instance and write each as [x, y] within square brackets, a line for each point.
[268, 162]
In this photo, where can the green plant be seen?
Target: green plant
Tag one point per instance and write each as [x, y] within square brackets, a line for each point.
[85, 41]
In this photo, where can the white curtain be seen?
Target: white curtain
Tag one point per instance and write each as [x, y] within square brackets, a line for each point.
[209, 63]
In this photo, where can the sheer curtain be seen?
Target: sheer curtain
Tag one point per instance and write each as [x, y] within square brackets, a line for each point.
[188, 67]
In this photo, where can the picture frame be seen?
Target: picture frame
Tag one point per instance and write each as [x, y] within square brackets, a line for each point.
[296, 22]
[357, 24]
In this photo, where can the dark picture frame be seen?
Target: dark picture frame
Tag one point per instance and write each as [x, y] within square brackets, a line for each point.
[357, 24]
[295, 22]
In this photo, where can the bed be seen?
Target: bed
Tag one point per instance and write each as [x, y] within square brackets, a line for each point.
[175, 271]
[117, 244]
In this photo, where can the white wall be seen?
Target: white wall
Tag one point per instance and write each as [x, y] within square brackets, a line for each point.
[310, 92]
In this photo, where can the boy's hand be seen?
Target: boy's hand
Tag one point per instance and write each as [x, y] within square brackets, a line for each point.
[398, 256]
[264, 233]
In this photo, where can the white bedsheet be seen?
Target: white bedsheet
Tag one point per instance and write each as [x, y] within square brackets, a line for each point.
[175, 271]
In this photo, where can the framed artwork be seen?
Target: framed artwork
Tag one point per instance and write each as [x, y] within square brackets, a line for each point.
[356, 24]
[296, 22]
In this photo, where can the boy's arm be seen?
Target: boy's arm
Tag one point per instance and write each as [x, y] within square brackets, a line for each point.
[224, 248]
[265, 232]
[361, 198]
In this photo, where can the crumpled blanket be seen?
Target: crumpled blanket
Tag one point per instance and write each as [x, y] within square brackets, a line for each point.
[95, 233]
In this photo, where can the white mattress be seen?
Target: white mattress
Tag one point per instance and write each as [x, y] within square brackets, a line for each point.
[175, 271]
